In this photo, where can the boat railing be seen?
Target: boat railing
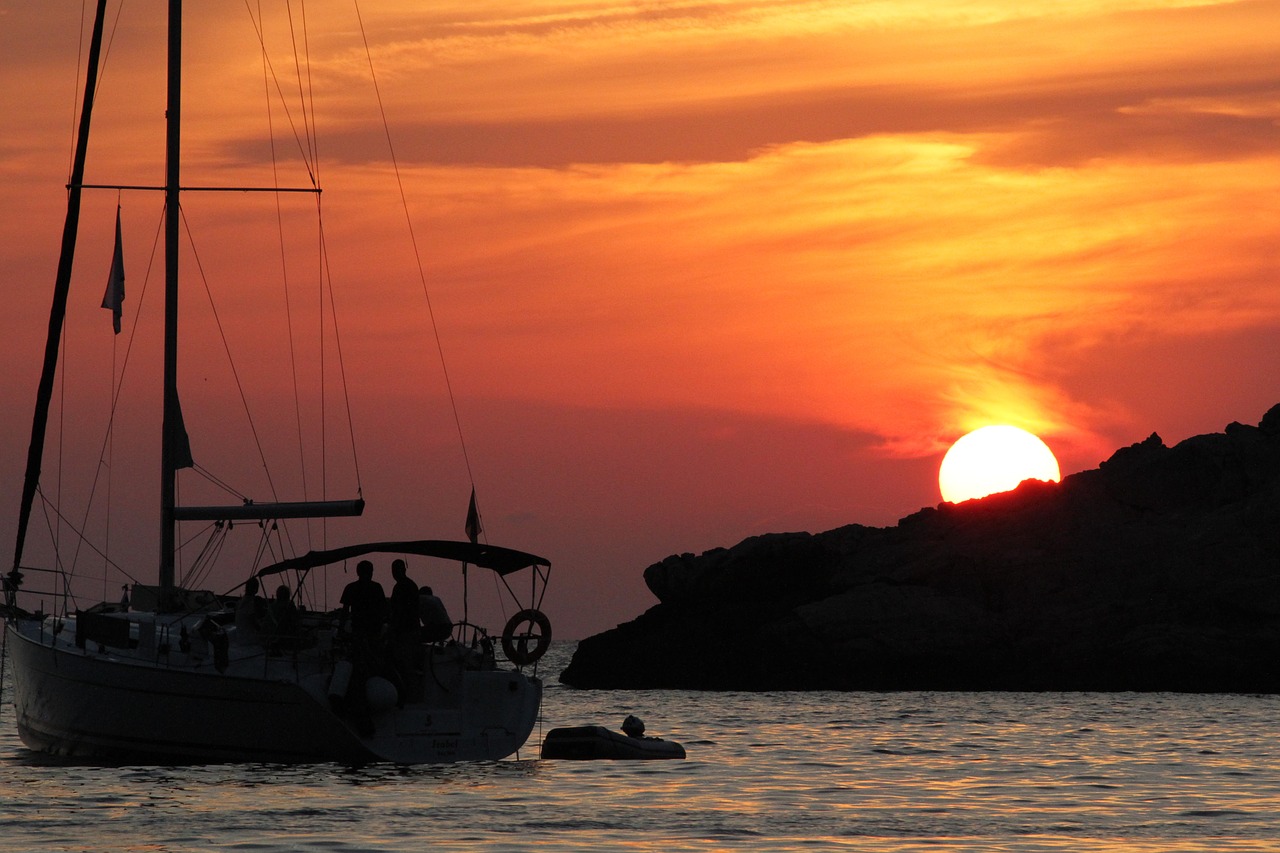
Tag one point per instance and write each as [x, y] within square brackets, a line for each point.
[57, 588]
[288, 643]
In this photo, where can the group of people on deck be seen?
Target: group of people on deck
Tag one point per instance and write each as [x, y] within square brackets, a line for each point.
[411, 616]
[275, 623]
[387, 634]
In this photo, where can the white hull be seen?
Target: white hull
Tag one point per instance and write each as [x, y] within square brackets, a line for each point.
[126, 704]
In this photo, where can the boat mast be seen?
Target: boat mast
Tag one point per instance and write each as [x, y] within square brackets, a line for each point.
[62, 285]
[173, 216]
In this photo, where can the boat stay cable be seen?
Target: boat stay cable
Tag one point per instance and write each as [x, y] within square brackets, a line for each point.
[306, 141]
[226, 346]
[422, 276]
[268, 74]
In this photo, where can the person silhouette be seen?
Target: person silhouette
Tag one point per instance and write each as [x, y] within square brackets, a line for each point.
[404, 601]
[404, 631]
[284, 620]
[436, 625]
[251, 612]
[364, 603]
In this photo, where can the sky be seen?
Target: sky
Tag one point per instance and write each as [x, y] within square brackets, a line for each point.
[699, 270]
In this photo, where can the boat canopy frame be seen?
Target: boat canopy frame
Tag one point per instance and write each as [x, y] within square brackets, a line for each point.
[503, 561]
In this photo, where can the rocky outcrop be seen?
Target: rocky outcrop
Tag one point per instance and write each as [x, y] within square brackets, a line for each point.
[1159, 570]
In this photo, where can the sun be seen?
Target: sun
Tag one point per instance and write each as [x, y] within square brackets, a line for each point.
[994, 459]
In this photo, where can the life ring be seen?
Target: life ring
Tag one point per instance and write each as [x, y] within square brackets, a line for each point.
[515, 643]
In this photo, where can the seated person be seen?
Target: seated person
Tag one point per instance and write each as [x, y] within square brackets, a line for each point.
[251, 615]
[436, 624]
[285, 622]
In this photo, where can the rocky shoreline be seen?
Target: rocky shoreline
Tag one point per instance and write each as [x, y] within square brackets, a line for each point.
[1157, 571]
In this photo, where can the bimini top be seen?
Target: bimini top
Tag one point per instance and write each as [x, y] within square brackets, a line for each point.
[504, 561]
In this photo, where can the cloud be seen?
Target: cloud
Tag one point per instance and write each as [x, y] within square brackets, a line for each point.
[721, 82]
[897, 285]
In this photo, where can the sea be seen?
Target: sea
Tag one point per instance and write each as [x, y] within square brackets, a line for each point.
[792, 771]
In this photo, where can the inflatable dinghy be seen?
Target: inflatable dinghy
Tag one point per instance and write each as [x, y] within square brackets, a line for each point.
[586, 743]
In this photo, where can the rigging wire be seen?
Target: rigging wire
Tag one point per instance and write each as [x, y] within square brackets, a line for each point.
[50, 507]
[58, 520]
[219, 482]
[104, 452]
[208, 556]
[226, 346]
[54, 527]
[102, 70]
[75, 92]
[313, 138]
[404, 201]
[284, 268]
[306, 95]
[307, 142]
[337, 340]
[200, 532]
[108, 456]
[302, 148]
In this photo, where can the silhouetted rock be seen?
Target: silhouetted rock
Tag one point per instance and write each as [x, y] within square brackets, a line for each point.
[1159, 570]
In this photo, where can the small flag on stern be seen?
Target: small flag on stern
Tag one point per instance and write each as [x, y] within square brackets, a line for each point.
[114, 297]
[473, 519]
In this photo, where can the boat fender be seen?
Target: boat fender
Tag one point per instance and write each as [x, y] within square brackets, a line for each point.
[516, 637]
[381, 694]
[341, 680]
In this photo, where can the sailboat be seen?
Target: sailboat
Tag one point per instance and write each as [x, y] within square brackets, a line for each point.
[174, 676]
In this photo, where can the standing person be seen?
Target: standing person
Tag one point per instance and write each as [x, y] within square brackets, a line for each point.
[365, 603]
[405, 633]
[404, 601]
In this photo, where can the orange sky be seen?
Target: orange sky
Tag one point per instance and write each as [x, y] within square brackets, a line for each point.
[701, 270]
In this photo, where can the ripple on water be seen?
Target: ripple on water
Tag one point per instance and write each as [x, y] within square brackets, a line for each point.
[877, 773]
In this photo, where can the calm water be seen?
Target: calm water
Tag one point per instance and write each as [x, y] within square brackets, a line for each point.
[781, 771]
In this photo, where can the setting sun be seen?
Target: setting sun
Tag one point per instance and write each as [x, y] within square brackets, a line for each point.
[820, 272]
[994, 459]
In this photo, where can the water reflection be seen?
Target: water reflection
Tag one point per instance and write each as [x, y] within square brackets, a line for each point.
[888, 773]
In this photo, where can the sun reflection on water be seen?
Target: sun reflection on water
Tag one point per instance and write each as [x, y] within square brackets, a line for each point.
[887, 773]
